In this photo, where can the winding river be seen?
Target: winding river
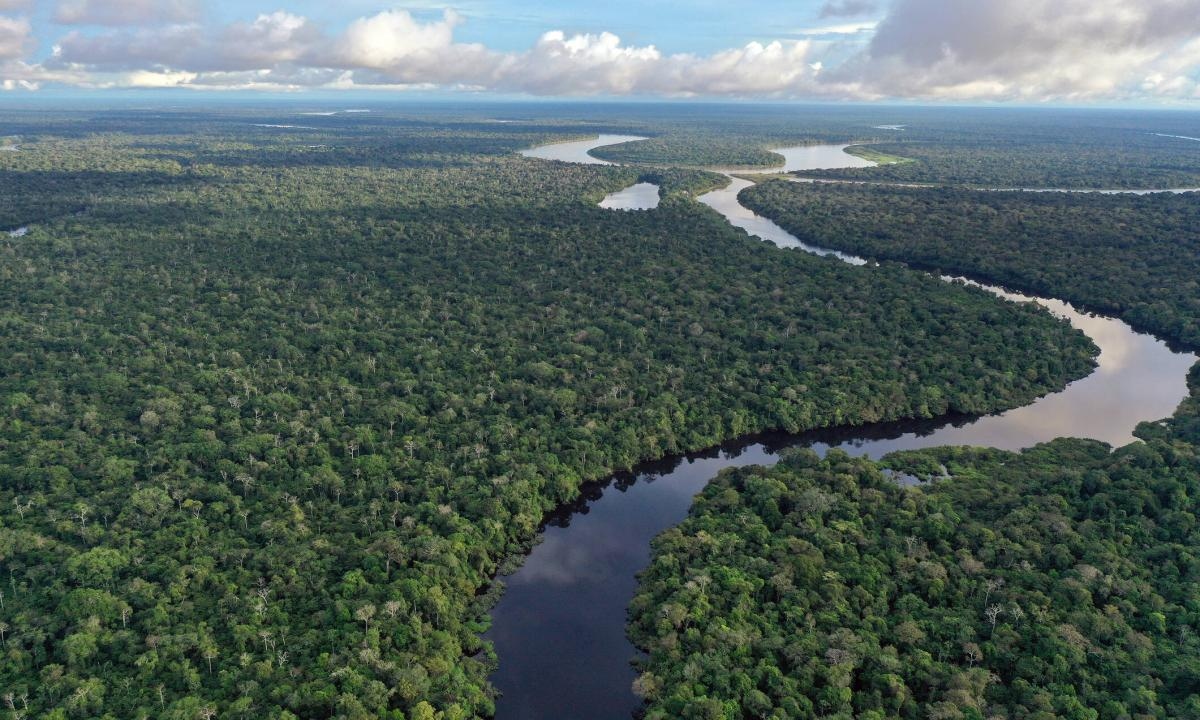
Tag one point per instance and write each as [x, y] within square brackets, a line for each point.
[559, 629]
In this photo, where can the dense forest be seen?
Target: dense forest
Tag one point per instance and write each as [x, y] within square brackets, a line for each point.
[956, 146]
[280, 394]
[1134, 256]
[1013, 156]
[1059, 582]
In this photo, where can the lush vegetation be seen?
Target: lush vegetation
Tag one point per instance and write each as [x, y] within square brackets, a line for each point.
[959, 146]
[276, 402]
[1135, 256]
[1015, 148]
[1060, 582]
[740, 137]
[875, 155]
[693, 149]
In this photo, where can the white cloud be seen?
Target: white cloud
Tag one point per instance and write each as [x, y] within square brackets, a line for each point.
[16, 37]
[579, 65]
[1027, 49]
[394, 49]
[149, 79]
[393, 36]
[126, 12]
[930, 49]
[268, 41]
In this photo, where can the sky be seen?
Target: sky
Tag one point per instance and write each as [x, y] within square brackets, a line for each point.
[1134, 52]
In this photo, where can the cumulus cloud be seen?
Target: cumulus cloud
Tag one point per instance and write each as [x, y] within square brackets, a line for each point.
[580, 64]
[268, 41]
[926, 49]
[392, 37]
[394, 49]
[16, 37]
[125, 12]
[1028, 49]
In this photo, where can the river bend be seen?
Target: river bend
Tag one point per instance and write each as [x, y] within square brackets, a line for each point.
[559, 629]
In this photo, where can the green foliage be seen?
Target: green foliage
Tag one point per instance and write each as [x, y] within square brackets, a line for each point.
[1037, 149]
[997, 147]
[703, 149]
[1060, 582]
[277, 403]
[1135, 256]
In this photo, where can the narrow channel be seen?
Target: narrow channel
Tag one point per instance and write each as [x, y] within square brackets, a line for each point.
[559, 629]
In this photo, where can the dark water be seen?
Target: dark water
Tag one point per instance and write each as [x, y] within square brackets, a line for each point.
[559, 629]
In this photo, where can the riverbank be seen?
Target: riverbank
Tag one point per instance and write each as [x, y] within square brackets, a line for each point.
[559, 627]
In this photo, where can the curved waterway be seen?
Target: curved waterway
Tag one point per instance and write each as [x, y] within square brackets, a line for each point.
[640, 196]
[579, 151]
[559, 629]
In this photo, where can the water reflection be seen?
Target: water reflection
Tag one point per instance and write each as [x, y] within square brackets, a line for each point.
[725, 201]
[559, 628]
[820, 157]
[642, 196]
[578, 151]
[803, 157]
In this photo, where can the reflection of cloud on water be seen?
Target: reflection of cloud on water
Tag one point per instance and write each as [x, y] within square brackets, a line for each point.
[820, 157]
[639, 196]
[577, 151]
[599, 547]
[585, 557]
[1119, 344]
[1145, 382]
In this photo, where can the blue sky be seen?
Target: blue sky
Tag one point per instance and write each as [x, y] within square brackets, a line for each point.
[1026, 51]
[674, 25]
[700, 26]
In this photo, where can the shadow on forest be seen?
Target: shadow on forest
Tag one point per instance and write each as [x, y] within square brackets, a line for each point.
[39, 196]
[772, 442]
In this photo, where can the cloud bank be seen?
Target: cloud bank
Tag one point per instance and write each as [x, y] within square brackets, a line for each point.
[1027, 50]
[1033, 49]
[15, 37]
[125, 12]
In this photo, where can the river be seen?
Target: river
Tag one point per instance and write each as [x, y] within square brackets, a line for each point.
[579, 151]
[559, 628]
[639, 196]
